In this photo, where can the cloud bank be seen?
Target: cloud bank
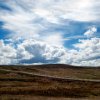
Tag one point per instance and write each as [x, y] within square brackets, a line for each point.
[34, 52]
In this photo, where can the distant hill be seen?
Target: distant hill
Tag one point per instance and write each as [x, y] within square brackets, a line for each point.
[60, 70]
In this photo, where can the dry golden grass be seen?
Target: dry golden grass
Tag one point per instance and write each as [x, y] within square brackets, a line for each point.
[19, 86]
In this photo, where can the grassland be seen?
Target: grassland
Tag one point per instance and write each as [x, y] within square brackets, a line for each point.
[49, 82]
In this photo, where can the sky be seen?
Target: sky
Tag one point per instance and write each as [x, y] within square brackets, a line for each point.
[50, 32]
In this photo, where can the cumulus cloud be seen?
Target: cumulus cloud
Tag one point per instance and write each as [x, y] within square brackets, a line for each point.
[7, 53]
[42, 52]
[92, 30]
[29, 52]
[32, 52]
[88, 51]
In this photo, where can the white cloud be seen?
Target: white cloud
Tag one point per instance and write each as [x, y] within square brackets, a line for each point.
[29, 17]
[42, 52]
[32, 52]
[88, 63]
[92, 30]
[89, 50]
[46, 14]
[88, 43]
[29, 52]
[80, 10]
[21, 24]
[54, 39]
[7, 53]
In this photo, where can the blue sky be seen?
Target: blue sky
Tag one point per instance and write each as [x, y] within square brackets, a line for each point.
[50, 31]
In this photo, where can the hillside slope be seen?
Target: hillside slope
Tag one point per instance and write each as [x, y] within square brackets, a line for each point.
[55, 80]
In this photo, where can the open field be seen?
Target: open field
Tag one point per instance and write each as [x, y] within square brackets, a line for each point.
[49, 82]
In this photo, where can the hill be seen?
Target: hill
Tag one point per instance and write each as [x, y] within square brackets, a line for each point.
[28, 82]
